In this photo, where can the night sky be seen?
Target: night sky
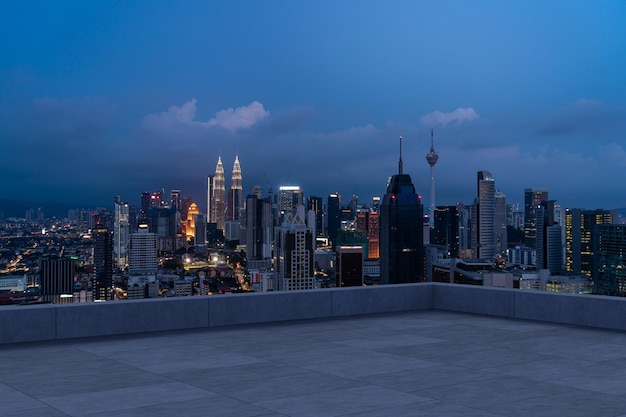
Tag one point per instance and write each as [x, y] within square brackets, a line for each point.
[99, 98]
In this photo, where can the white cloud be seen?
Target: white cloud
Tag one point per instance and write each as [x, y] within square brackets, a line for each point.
[229, 119]
[440, 118]
[239, 118]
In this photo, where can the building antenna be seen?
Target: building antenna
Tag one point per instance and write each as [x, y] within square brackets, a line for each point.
[400, 161]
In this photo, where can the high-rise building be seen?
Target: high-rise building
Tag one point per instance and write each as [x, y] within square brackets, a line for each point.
[295, 247]
[446, 230]
[350, 265]
[289, 198]
[190, 223]
[235, 198]
[609, 275]
[145, 207]
[548, 239]
[103, 262]
[199, 232]
[373, 235]
[175, 199]
[142, 259]
[500, 222]
[259, 228]
[432, 159]
[483, 218]
[121, 233]
[579, 227]
[219, 195]
[334, 217]
[56, 277]
[533, 197]
[210, 199]
[401, 231]
[316, 204]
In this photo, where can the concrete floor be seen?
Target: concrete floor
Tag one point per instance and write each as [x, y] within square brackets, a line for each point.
[429, 363]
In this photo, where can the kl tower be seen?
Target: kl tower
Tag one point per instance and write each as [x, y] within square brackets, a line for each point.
[432, 159]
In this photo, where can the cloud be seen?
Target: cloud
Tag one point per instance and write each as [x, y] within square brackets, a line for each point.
[582, 116]
[230, 119]
[239, 118]
[440, 118]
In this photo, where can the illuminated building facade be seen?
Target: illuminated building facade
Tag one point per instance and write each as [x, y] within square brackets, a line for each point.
[579, 228]
[609, 274]
[142, 259]
[334, 217]
[121, 233]
[103, 262]
[219, 195]
[235, 199]
[483, 218]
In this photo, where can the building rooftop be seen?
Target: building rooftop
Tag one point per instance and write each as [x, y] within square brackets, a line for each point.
[414, 363]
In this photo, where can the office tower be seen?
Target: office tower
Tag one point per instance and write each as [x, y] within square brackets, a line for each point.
[56, 277]
[145, 207]
[579, 226]
[432, 159]
[350, 260]
[334, 217]
[609, 275]
[446, 229]
[259, 228]
[533, 197]
[465, 230]
[199, 236]
[401, 234]
[353, 205]
[190, 223]
[156, 199]
[219, 194]
[500, 222]
[103, 262]
[142, 259]
[121, 233]
[373, 235]
[289, 197]
[210, 199]
[132, 218]
[175, 200]
[295, 246]
[235, 193]
[376, 204]
[316, 205]
[548, 239]
[483, 222]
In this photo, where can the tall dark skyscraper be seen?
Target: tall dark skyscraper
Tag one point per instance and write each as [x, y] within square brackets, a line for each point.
[103, 262]
[401, 234]
[446, 231]
[579, 234]
[315, 204]
[533, 197]
[609, 275]
[334, 216]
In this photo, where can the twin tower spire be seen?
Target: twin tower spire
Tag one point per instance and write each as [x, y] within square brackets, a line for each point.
[220, 207]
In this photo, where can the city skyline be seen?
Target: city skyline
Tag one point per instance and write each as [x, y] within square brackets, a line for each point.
[104, 98]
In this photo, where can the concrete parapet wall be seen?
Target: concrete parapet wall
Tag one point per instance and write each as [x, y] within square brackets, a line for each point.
[50, 322]
[353, 301]
[474, 299]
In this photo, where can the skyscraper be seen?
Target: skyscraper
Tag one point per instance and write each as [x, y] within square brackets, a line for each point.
[295, 246]
[609, 275]
[432, 159]
[121, 233]
[56, 277]
[334, 217]
[142, 259]
[315, 204]
[579, 228]
[548, 239]
[500, 222]
[446, 230]
[235, 199]
[485, 217]
[401, 235]
[103, 262]
[533, 197]
[210, 199]
[219, 194]
[259, 228]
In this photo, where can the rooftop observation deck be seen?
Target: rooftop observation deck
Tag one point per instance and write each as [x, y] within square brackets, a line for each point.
[402, 350]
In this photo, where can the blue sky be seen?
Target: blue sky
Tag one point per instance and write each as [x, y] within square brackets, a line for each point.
[117, 97]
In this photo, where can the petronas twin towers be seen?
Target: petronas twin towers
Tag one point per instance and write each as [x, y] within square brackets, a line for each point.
[220, 207]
